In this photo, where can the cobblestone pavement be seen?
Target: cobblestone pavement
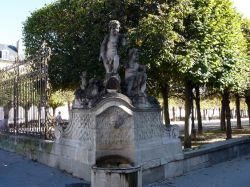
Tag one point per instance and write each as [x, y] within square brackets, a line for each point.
[17, 171]
[234, 173]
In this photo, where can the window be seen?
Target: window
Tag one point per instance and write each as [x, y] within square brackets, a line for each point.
[5, 55]
[0, 54]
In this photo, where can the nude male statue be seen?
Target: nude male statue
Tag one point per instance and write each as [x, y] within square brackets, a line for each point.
[108, 51]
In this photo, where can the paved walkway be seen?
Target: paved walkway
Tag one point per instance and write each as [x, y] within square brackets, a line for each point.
[234, 173]
[17, 171]
[213, 124]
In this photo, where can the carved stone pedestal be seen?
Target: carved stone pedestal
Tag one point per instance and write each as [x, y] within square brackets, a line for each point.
[114, 127]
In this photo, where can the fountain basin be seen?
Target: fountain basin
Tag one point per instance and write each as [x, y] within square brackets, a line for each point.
[116, 172]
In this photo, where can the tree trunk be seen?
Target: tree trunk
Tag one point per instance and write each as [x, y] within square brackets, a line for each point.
[222, 115]
[247, 100]
[165, 96]
[26, 111]
[180, 113]
[187, 126]
[232, 113]
[174, 117]
[192, 119]
[54, 111]
[237, 103]
[198, 108]
[206, 115]
[68, 104]
[6, 110]
[228, 114]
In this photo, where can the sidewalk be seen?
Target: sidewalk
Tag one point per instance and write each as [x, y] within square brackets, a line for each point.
[17, 171]
[234, 173]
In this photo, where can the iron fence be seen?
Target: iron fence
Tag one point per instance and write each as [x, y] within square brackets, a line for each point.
[24, 95]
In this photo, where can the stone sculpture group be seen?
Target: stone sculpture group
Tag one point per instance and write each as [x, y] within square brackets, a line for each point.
[91, 91]
[115, 130]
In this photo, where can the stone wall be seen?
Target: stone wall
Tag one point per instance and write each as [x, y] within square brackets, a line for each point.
[209, 155]
[50, 153]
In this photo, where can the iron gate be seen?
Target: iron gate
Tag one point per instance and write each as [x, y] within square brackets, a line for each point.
[23, 96]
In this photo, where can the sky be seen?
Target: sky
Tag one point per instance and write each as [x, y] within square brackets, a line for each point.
[243, 6]
[13, 14]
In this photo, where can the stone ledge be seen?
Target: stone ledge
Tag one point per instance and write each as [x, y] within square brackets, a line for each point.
[209, 148]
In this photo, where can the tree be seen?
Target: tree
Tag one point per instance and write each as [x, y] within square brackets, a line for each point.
[55, 100]
[197, 103]
[214, 43]
[68, 41]
[247, 100]
[6, 91]
[246, 32]
[68, 97]
[238, 116]
[229, 70]
[159, 41]
[74, 30]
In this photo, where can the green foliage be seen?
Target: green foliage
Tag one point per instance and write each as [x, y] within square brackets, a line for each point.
[226, 46]
[65, 27]
[160, 41]
[56, 99]
[246, 32]
[200, 40]
[212, 102]
[74, 30]
[176, 102]
[68, 96]
[60, 98]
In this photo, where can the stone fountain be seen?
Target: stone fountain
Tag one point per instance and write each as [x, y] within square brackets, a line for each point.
[114, 138]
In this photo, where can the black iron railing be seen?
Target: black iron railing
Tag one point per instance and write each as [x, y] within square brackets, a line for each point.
[24, 95]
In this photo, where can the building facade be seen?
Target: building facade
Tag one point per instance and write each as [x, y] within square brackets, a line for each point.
[8, 55]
